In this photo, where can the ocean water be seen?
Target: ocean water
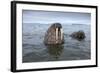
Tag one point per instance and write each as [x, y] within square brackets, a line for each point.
[34, 49]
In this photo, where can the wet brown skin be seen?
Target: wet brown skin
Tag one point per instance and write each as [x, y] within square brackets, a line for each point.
[79, 35]
[52, 37]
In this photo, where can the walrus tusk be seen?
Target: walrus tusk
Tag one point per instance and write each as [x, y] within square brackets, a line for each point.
[56, 35]
[61, 34]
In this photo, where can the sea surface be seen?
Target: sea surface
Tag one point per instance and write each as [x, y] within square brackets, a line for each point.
[34, 49]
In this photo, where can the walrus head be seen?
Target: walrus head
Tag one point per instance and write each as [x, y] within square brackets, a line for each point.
[54, 34]
[79, 35]
[59, 32]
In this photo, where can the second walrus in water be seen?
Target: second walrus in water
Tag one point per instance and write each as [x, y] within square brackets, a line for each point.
[54, 35]
[79, 35]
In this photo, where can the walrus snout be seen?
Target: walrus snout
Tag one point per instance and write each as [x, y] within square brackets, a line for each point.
[54, 34]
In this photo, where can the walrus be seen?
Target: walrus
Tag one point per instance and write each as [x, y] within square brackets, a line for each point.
[79, 35]
[54, 35]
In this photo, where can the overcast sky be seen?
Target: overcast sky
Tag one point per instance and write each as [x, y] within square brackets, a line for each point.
[33, 16]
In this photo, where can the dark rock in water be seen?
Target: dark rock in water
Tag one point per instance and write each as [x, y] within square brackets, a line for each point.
[80, 35]
[54, 34]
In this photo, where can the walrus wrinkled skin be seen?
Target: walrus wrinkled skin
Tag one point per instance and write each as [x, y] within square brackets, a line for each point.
[54, 35]
[80, 35]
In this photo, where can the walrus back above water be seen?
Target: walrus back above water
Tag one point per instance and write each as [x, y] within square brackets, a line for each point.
[79, 35]
[54, 34]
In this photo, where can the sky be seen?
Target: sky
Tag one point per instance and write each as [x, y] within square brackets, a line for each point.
[46, 17]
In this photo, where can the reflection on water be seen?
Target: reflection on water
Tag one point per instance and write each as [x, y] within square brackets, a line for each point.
[49, 53]
[55, 50]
